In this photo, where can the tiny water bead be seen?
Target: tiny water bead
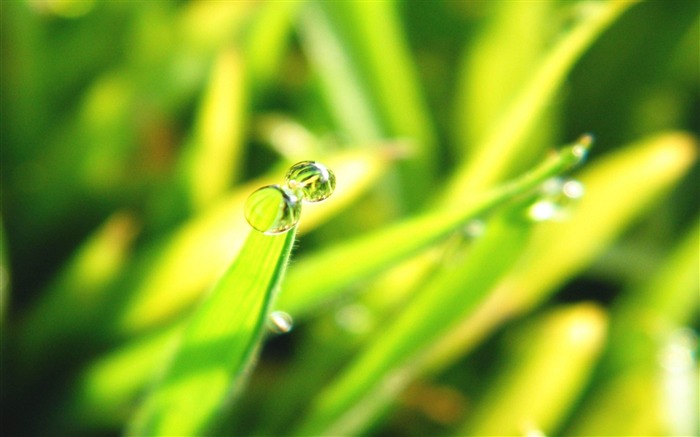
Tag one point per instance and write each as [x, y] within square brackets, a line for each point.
[313, 179]
[280, 322]
[556, 200]
[272, 209]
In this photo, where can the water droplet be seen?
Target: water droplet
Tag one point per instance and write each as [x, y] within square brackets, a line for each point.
[557, 198]
[582, 146]
[280, 322]
[273, 209]
[314, 180]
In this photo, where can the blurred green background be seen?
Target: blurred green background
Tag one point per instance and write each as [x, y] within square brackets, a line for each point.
[131, 133]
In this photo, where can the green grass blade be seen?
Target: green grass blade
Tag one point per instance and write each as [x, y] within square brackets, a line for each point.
[504, 145]
[619, 188]
[213, 158]
[338, 77]
[497, 65]
[546, 369]
[218, 344]
[316, 279]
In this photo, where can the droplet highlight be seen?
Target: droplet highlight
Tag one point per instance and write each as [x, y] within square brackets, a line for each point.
[273, 209]
[315, 181]
[280, 322]
[557, 199]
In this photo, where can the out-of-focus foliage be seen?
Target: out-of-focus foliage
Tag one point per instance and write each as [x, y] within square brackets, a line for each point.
[481, 269]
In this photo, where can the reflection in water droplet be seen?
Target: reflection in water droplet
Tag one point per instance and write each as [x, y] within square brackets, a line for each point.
[272, 209]
[280, 322]
[315, 181]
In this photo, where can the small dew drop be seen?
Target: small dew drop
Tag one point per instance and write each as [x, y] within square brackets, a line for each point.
[313, 180]
[573, 189]
[582, 146]
[543, 210]
[557, 199]
[280, 322]
[272, 209]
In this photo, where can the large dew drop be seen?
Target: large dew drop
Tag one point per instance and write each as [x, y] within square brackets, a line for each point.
[314, 180]
[273, 209]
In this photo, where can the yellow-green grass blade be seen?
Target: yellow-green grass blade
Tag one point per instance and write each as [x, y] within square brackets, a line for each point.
[547, 365]
[211, 160]
[647, 341]
[620, 188]
[317, 279]
[495, 66]
[218, 344]
[265, 41]
[504, 146]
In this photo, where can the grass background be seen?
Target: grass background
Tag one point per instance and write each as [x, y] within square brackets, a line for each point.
[425, 301]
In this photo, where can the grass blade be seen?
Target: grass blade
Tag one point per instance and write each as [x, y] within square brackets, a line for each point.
[504, 145]
[314, 280]
[218, 344]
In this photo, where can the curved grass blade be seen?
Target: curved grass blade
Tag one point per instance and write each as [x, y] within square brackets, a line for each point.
[504, 145]
[316, 279]
[218, 344]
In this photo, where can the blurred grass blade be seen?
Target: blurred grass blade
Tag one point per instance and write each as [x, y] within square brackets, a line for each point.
[546, 370]
[504, 145]
[495, 66]
[218, 344]
[645, 318]
[78, 289]
[364, 64]
[619, 188]
[212, 160]
[316, 279]
[265, 41]
[107, 389]
[338, 76]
